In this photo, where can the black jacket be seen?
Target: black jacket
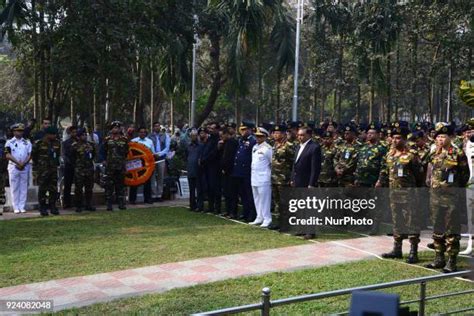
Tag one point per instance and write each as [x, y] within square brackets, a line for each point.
[228, 155]
[308, 166]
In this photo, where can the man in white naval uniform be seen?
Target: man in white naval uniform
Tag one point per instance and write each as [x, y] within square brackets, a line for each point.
[261, 168]
[18, 152]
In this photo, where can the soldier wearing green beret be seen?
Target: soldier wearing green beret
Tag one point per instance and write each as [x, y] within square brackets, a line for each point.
[45, 155]
[447, 169]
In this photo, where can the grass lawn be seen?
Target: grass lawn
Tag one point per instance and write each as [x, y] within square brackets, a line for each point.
[247, 290]
[39, 249]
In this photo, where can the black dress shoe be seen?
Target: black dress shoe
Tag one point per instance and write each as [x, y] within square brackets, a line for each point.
[158, 200]
[241, 218]
[78, 209]
[132, 202]
[90, 208]
[309, 236]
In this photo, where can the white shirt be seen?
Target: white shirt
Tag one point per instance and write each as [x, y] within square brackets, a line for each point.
[145, 141]
[20, 149]
[261, 167]
[302, 146]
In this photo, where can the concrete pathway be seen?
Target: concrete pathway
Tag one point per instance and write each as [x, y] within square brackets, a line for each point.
[90, 289]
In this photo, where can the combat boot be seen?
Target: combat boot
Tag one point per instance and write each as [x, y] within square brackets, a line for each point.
[53, 208]
[121, 204]
[451, 265]
[396, 252]
[109, 206]
[413, 255]
[438, 263]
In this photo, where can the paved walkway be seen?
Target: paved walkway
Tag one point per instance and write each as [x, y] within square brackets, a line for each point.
[87, 290]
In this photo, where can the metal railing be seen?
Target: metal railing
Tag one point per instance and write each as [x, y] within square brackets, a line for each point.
[266, 303]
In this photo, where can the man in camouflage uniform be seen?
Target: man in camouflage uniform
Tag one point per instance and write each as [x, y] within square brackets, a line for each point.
[115, 151]
[345, 160]
[82, 158]
[447, 170]
[369, 158]
[282, 162]
[327, 177]
[45, 154]
[400, 171]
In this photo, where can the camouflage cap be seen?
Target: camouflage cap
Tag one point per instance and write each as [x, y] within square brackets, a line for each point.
[51, 130]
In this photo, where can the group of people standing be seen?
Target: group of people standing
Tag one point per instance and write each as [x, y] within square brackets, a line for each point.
[256, 163]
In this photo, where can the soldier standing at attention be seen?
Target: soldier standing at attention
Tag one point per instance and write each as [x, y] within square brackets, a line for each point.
[282, 162]
[261, 168]
[45, 154]
[82, 158]
[18, 152]
[327, 177]
[447, 169]
[400, 170]
[115, 151]
[369, 160]
[345, 160]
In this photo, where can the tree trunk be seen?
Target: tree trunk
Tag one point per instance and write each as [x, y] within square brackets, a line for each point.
[278, 100]
[397, 83]
[372, 91]
[414, 79]
[340, 79]
[315, 102]
[389, 89]
[42, 84]
[152, 90]
[357, 115]
[215, 52]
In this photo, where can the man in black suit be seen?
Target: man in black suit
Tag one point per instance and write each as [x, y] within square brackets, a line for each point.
[307, 165]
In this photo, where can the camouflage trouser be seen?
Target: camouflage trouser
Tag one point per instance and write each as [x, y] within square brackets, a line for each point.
[47, 184]
[446, 221]
[405, 219]
[276, 190]
[114, 181]
[83, 180]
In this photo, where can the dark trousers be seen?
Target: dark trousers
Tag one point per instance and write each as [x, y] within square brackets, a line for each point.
[241, 187]
[226, 184]
[211, 175]
[146, 192]
[192, 181]
[68, 181]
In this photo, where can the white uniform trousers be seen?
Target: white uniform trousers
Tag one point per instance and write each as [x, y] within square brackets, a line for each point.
[18, 186]
[262, 196]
